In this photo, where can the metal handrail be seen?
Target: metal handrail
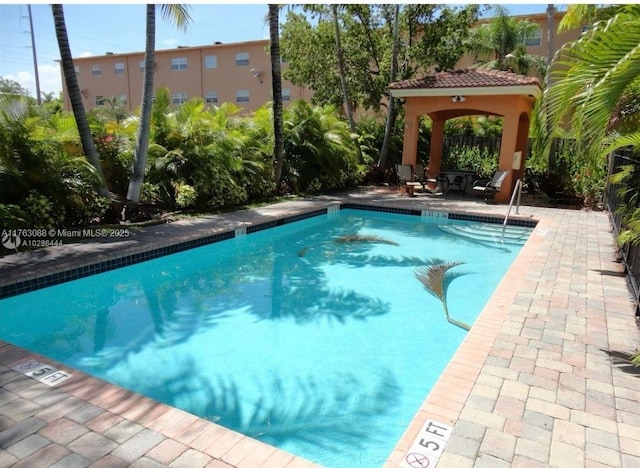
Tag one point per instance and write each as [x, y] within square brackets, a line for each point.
[516, 191]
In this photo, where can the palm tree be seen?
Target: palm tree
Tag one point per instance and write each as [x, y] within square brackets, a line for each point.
[499, 44]
[276, 86]
[180, 15]
[550, 29]
[391, 111]
[75, 97]
[342, 69]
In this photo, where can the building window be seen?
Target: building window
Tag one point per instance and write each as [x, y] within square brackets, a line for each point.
[99, 100]
[211, 97]
[179, 63]
[77, 69]
[121, 100]
[179, 98]
[535, 40]
[242, 58]
[210, 61]
[118, 68]
[286, 94]
[242, 95]
[141, 65]
[96, 69]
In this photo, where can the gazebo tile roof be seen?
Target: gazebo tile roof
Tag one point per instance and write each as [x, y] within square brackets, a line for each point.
[466, 78]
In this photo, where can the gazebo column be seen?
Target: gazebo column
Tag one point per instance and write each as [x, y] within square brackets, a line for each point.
[435, 145]
[521, 144]
[410, 141]
[507, 149]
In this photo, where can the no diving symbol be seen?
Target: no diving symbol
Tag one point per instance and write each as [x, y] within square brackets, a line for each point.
[30, 364]
[417, 460]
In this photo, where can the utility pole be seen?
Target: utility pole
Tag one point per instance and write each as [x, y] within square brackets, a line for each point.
[35, 57]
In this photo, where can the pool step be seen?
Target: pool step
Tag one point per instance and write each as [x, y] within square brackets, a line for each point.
[488, 232]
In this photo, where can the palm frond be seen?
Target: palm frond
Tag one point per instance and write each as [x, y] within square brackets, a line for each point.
[12, 109]
[177, 14]
[436, 279]
[615, 141]
[433, 277]
[592, 73]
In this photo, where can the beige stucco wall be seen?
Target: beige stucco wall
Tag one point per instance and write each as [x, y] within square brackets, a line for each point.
[195, 81]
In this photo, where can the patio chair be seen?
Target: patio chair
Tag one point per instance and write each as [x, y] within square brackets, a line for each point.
[406, 180]
[418, 174]
[489, 188]
[440, 182]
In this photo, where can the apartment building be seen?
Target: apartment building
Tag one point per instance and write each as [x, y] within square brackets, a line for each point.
[238, 72]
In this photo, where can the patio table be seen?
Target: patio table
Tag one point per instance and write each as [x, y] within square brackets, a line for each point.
[460, 179]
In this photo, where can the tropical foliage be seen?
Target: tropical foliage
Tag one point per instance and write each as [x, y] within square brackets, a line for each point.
[42, 185]
[321, 152]
[596, 89]
[200, 157]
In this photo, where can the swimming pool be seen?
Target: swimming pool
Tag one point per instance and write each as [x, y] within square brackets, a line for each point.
[303, 336]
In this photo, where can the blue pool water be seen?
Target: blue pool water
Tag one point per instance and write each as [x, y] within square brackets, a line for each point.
[322, 348]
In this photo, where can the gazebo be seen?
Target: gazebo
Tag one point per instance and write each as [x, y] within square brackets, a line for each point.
[472, 91]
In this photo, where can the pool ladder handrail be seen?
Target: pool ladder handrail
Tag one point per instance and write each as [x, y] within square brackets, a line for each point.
[517, 191]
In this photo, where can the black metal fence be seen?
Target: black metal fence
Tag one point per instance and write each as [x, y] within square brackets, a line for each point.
[625, 195]
[490, 144]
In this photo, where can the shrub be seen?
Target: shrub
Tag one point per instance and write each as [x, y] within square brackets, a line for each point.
[12, 216]
[42, 212]
[185, 194]
[320, 151]
[471, 158]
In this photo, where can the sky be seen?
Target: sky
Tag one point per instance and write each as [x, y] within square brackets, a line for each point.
[99, 28]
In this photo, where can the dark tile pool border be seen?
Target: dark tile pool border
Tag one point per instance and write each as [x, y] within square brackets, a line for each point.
[449, 215]
[126, 260]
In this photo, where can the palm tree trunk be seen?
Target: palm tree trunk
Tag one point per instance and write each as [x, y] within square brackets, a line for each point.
[391, 111]
[550, 33]
[276, 87]
[144, 126]
[342, 70]
[68, 70]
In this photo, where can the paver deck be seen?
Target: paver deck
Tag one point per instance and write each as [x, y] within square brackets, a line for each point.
[539, 381]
